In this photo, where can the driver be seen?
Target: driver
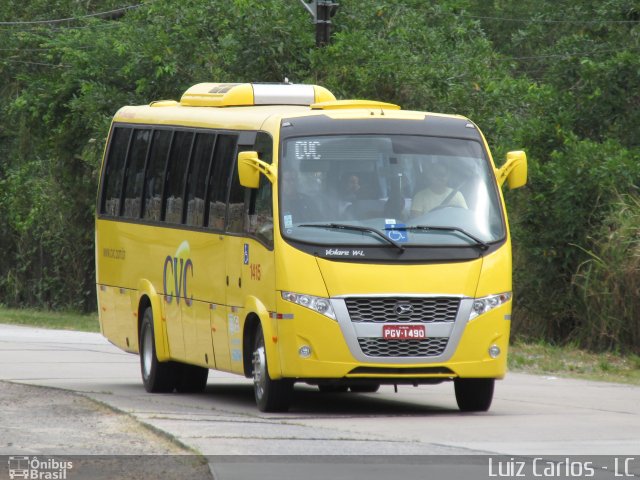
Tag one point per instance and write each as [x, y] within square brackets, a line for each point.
[437, 193]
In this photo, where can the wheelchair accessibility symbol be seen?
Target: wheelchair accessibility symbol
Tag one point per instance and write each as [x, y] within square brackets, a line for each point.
[396, 231]
[397, 235]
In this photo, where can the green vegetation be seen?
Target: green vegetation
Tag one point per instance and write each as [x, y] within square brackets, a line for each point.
[49, 319]
[558, 79]
[609, 280]
[570, 361]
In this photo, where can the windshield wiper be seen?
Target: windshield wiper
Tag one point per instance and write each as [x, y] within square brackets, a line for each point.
[426, 228]
[356, 228]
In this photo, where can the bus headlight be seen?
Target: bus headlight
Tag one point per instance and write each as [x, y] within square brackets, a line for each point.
[319, 304]
[485, 304]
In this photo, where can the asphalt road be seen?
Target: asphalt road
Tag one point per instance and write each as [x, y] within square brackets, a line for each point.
[530, 415]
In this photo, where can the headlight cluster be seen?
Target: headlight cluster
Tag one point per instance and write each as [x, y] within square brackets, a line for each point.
[318, 304]
[485, 304]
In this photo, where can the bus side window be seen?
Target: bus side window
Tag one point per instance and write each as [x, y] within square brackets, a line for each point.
[114, 171]
[223, 163]
[235, 221]
[174, 186]
[155, 174]
[197, 178]
[259, 219]
[134, 176]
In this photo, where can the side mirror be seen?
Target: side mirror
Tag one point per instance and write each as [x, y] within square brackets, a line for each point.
[250, 167]
[514, 171]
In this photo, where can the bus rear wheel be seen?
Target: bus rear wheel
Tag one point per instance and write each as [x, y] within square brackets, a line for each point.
[157, 377]
[271, 395]
[474, 394]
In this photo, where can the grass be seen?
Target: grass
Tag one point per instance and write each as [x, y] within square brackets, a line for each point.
[568, 361]
[537, 358]
[47, 319]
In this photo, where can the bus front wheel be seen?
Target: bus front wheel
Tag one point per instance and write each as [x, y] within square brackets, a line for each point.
[474, 394]
[158, 377]
[271, 395]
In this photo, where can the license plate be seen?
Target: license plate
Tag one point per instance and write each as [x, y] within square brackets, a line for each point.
[403, 332]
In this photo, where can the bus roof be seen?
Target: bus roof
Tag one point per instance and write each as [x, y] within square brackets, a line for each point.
[247, 106]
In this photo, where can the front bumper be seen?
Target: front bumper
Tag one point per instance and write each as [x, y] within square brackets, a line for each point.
[334, 347]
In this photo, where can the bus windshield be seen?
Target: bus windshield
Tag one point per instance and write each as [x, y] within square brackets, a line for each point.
[413, 190]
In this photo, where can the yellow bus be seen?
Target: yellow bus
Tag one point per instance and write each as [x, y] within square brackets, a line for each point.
[272, 231]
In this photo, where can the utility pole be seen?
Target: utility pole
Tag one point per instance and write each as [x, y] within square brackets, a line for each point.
[322, 11]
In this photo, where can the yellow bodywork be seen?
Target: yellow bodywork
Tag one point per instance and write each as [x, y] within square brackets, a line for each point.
[331, 357]
[203, 291]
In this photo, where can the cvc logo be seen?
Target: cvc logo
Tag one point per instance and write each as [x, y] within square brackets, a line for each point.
[175, 274]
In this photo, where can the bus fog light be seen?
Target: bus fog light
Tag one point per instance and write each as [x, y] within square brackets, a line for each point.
[304, 351]
[494, 351]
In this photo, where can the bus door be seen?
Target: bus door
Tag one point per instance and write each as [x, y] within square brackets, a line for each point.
[250, 259]
[221, 316]
[235, 248]
[235, 300]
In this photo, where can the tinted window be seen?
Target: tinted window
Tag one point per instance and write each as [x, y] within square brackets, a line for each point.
[197, 178]
[155, 174]
[223, 162]
[178, 163]
[134, 178]
[260, 213]
[441, 190]
[114, 170]
[236, 201]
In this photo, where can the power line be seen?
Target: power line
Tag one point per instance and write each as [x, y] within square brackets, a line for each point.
[42, 49]
[57, 28]
[582, 54]
[60, 28]
[108, 14]
[540, 20]
[39, 64]
[501, 59]
[588, 54]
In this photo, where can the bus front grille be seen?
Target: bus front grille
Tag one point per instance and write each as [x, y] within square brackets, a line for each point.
[378, 347]
[403, 309]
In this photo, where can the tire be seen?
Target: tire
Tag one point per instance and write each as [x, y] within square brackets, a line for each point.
[271, 395]
[157, 377]
[365, 388]
[191, 378]
[474, 394]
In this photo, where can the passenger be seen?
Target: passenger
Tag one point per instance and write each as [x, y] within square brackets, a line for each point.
[352, 188]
